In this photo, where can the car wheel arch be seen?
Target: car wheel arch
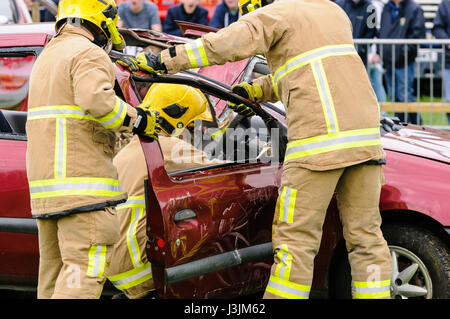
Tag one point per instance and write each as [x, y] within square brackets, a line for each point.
[392, 218]
[414, 218]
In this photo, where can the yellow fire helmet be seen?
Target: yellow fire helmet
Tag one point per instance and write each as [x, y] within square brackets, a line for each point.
[246, 6]
[101, 13]
[178, 106]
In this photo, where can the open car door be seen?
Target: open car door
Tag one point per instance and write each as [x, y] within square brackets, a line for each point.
[202, 220]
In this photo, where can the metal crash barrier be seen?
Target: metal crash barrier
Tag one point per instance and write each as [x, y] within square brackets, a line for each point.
[424, 103]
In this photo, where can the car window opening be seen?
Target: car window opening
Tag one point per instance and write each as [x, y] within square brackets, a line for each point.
[225, 141]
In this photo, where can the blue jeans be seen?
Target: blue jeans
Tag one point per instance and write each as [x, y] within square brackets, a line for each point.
[400, 84]
[376, 79]
[447, 90]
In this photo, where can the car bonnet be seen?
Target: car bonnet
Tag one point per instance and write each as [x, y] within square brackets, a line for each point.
[419, 141]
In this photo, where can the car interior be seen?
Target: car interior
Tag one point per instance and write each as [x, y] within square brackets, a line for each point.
[12, 124]
[231, 138]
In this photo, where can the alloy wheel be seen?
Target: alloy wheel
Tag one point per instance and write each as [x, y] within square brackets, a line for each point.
[410, 277]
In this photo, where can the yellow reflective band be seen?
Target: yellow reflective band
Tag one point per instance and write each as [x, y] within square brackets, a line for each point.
[115, 118]
[220, 132]
[310, 56]
[372, 289]
[375, 295]
[132, 202]
[287, 204]
[286, 289]
[283, 269]
[274, 86]
[372, 284]
[325, 97]
[58, 111]
[97, 261]
[196, 53]
[75, 186]
[137, 205]
[112, 120]
[333, 142]
[132, 277]
[60, 148]
[132, 243]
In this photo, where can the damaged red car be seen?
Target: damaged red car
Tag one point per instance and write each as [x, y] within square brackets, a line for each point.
[209, 227]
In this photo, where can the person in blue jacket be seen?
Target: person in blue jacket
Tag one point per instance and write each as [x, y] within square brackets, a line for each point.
[189, 11]
[363, 17]
[401, 19]
[225, 14]
[441, 30]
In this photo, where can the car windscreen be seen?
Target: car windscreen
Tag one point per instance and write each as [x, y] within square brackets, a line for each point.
[6, 12]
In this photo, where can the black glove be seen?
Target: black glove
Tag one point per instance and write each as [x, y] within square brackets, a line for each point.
[128, 63]
[150, 63]
[241, 109]
[250, 91]
[147, 123]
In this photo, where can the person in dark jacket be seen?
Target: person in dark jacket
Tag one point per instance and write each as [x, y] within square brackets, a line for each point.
[441, 30]
[360, 13]
[225, 14]
[47, 16]
[189, 11]
[401, 19]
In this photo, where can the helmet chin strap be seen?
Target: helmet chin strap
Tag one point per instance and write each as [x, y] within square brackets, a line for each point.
[108, 47]
[99, 38]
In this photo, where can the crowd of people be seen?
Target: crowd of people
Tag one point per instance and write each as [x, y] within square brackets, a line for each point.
[391, 73]
[144, 11]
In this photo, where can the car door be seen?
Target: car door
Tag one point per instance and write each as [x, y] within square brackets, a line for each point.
[198, 215]
[18, 240]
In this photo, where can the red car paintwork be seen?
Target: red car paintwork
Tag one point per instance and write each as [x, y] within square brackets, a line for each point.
[234, 204]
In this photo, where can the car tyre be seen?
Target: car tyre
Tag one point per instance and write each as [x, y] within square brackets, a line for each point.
[427, 257]
[421, 265]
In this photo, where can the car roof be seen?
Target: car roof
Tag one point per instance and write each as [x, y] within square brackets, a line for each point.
[29, 34]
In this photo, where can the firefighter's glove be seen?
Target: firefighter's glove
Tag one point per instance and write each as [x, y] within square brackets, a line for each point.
[250, 91]
[128, 63]
[147, 123]
[150, 63]
[241, 109]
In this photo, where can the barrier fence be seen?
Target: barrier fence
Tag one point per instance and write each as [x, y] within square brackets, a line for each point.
[415, 93]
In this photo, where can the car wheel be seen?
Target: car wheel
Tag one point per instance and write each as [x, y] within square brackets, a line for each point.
[420, 265]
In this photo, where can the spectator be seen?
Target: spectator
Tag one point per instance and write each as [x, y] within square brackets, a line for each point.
[225, 14]
[47, 16]
[401, 19]
[189, 11]
[40, 13]
[441, 30]
[360, 12]
[139, 14]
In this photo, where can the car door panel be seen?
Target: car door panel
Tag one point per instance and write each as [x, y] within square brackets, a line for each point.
[233, 207]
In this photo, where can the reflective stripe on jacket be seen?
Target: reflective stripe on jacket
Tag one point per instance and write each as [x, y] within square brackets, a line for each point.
[73, 114]
[332, 111]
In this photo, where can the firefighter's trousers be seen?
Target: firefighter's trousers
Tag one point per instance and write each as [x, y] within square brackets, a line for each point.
[130, 270]
[304, 197]
[75, 253]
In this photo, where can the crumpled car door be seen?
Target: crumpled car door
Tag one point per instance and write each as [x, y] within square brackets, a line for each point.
[196, 214]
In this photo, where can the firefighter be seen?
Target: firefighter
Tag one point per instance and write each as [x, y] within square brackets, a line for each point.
[73, 116]
[179, 106]
[333, 133]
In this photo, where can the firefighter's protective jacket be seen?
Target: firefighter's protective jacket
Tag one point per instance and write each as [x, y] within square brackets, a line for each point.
[73, 113]
[332, 111]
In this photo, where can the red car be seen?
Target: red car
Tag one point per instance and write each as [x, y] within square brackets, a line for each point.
[209, 228]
